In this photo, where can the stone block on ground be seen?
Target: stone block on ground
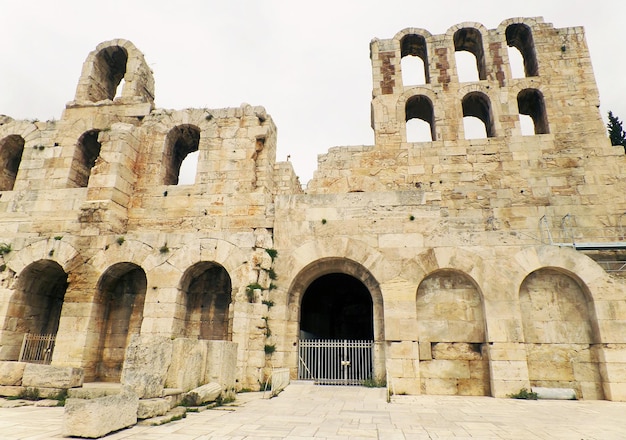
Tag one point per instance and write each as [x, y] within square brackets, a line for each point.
[221, 363]
[554, 393]
[94, 418]
[188, 364]
[11, 373]
[149, 408]
[206, 393]
[145, 366]
[50, 376]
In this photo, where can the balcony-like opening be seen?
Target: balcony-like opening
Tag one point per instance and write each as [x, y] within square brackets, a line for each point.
[108, 71]
[420, 119]
[469, 68]
[477, 105]
[519, 36]
[530, 102]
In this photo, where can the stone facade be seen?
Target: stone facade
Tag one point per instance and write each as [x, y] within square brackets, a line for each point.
[478, 266]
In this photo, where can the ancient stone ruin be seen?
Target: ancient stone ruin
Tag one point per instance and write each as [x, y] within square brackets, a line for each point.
[448, 265]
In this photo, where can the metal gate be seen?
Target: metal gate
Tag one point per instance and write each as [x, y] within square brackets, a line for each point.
[37, 349]
[335, 362]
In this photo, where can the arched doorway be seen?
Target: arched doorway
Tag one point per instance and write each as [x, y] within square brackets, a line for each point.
[340, 323]
[35, 310]
[336, 306]
[122, 293]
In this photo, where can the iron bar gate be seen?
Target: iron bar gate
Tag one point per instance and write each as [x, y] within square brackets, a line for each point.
[335, 362]
[37, 349]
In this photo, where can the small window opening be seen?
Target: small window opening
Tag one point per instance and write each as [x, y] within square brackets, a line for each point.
[180, 142]
[11, 149]
[414, 60]
[477, 105]
[420, 119]
[530, 102]
[469, 68]
[519, 35]
[85, 156]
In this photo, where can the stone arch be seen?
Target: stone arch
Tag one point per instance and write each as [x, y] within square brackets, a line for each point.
[207, 291]
[119, 306]
[11, 149]
[560, 332]
[517, 33]
[531, 102]
[15, 138]
[452, 329]
[35, 305]
[179, 142]
[428, 106]
[85, 155]
[106, 67]
[478, 104]
[470, 37]
[413, 43]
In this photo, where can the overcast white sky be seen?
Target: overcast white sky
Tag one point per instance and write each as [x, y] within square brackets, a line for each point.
[307, 63]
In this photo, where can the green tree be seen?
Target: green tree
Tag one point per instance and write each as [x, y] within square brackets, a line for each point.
[616, 131]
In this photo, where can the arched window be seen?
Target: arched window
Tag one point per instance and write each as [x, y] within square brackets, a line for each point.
[180, 141]
[469, 40]
[414, 60]
[530, 102]
[108, 71]
[519, 35]
[477, 105]
[11, 149]
[420, 108]
[85, 156]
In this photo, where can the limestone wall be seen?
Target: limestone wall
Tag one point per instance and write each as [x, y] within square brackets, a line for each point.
[464, 247]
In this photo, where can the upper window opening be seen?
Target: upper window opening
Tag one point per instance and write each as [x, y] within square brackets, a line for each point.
[470, 40]
[420, 108]
[11, 149]
[414, 60]
[109, 70]
[181, 141]
[530, 102]
[516, 62]
[519, 35]
[477, 105]
[85, 156]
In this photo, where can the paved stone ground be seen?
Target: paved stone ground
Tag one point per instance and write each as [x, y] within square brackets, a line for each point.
[304, 411]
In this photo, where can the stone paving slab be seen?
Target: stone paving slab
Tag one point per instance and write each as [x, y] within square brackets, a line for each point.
[304, 411]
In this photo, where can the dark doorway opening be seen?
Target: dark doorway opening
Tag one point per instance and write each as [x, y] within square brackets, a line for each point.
[337, 306]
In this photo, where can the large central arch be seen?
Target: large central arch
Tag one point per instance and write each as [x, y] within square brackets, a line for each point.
[339, 299]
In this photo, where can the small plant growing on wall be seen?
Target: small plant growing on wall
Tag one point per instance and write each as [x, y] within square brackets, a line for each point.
[5, 248]
[270, 349]
[120, 240]
[58, 237]
[250, 288]
[273, 253]
[164, 249]
[523, 394]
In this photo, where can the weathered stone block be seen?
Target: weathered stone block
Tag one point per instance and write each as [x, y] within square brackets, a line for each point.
[457, 351]
[94, 418]
[206, 393]
[149, 408]
[49, 376]
[186, 371]
[146, 363]
[11, 373]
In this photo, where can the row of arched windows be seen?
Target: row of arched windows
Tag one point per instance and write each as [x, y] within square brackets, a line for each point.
[469, 55]
[179, 159]
[477, 106]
